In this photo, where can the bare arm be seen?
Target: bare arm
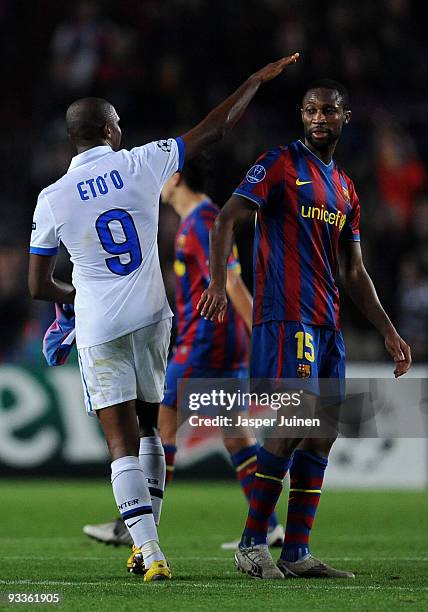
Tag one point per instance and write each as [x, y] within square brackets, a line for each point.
[240, 297]
[237, 210]
[360, 288]
[42, 284]
[224, 116]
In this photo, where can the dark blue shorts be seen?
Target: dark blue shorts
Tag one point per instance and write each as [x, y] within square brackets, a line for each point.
[189, 369]
[293, 350]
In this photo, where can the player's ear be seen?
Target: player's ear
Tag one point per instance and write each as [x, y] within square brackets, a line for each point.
[348, 115]
[106, 132]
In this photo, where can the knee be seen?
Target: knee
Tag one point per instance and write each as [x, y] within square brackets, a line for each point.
[120, 427]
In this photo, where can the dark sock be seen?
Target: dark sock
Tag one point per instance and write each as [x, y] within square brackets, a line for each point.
[245, 463]
[267, 488]
[306, 478]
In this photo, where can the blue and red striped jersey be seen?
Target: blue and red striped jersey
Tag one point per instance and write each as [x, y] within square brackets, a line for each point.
[304, 208]
[214, 345]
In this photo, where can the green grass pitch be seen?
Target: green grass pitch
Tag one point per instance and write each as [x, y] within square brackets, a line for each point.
[382, 536]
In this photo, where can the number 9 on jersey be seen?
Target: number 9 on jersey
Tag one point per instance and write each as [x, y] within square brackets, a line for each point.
[130, 246]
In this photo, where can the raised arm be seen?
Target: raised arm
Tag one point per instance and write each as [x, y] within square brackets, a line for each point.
[237, 210]
[224, 116]
[360, 288]
[42, 284]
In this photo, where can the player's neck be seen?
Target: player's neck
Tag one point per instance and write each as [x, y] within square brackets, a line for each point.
[82, 148]
[186, 202]
[325, 155]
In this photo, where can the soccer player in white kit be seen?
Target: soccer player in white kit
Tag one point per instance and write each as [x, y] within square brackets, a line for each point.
[105, 212]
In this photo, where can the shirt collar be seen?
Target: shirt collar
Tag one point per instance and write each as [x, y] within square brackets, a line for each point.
[89, 156]
[301, 143]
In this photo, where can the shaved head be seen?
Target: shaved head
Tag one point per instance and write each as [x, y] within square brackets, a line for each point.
[90, 121]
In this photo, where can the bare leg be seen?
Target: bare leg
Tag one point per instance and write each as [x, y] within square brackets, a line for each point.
[318, 446]
[242, 439]
[120, 426]
[148, 415]
[168, 424]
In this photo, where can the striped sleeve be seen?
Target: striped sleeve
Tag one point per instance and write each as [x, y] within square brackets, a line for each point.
[261, 178]
[351, 231]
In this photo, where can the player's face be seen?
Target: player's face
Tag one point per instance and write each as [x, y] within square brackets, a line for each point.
[323, 118]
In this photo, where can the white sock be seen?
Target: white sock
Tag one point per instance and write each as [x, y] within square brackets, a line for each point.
[133, 501]
[151, 552]
[152, 460]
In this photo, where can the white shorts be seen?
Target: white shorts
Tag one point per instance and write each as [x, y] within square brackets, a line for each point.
[127, 368]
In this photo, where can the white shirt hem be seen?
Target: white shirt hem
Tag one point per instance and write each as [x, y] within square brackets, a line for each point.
[109, 338]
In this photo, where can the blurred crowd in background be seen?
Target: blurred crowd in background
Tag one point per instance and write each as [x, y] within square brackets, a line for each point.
[164, 64]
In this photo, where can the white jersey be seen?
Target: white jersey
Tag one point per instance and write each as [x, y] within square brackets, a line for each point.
[105, 211]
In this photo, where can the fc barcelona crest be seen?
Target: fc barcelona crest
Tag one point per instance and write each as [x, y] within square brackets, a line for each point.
[304, 370]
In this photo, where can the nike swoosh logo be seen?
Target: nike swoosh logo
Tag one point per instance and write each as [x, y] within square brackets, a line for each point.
[132, 524]
[299, 182]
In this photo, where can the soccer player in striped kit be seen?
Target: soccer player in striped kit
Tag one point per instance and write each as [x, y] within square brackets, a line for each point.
[307, 225]
[205, 349]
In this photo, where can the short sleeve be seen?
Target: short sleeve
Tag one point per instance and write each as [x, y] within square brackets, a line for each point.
[44, 239]
[351, 230]
[163, 157]
[261, 178]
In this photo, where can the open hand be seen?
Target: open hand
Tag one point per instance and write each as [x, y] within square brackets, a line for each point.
[273, 69]
[399, 351]
[213, 304]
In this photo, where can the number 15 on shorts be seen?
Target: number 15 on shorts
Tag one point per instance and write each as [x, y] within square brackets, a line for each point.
[305, 346]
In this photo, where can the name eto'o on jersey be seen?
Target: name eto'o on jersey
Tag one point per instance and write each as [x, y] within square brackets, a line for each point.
[93, 187]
